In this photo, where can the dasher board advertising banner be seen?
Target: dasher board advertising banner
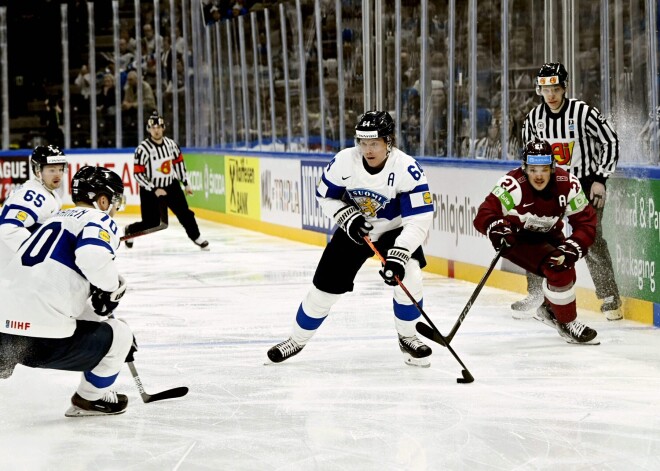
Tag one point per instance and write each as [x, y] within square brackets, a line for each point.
[207, 179]
[13, 172]
[281, 196]
[122, 164]
[457, 194]
[242, 174]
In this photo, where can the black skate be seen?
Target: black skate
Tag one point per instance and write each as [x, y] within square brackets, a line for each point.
[110, 404]
[577, 332]
[128, 242]
[612, 308]
[415, 352]
[202, 244]
[284, 350]
[544, 314]
[572, 332]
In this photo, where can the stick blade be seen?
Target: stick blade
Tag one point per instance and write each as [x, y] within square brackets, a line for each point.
[168, 394]
[467, 377]
[429, 333]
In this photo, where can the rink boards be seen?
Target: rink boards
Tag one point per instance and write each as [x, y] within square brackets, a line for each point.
[274, 194]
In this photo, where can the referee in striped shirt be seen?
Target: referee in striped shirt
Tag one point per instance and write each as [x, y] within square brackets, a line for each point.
[584, 143]
[159, 170]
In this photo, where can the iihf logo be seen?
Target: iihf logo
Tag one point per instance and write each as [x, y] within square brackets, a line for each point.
[9, 324]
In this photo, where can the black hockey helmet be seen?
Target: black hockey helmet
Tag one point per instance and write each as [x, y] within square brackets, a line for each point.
[89, 183]
[375, 124]
[46, 155]
[537, 152]
[552, 73]
[155, 120]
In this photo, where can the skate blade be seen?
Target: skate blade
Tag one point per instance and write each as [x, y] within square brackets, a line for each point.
[590, 342]
[418, 362]
[75, 411]
[522, 315]
[545, 321]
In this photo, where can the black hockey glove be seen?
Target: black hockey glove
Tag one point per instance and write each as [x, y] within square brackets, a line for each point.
[395, 265]
[104, 302]
[353, 222]
[564, 256]
[134, 348]
[501, 235]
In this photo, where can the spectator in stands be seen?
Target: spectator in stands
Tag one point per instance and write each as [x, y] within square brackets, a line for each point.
[54, 120]
[490, 146]
[151, 40]
[130, 106]
[83, 81]
[105, 105]
[125, 34]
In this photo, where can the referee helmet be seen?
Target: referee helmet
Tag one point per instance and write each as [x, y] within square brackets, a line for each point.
[552, 73]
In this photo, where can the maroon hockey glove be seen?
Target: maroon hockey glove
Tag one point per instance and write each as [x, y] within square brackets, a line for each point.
[564, 256]
[501, 235]
[395, 264]
[353, 222]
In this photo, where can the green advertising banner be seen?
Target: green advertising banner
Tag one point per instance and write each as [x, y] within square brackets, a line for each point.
[631, 227]
[206, 175]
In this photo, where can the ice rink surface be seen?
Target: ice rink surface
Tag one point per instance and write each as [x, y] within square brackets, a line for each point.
[347, 402]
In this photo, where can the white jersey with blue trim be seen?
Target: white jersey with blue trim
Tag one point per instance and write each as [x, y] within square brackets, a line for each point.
[27, 207]
[45, 286]
[396, 196]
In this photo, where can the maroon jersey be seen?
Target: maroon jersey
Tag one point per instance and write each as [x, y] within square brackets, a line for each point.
[538, 215]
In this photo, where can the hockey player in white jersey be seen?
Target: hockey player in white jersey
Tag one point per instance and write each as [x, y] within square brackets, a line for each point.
[46, 287]
[371, 189]
[33, 202]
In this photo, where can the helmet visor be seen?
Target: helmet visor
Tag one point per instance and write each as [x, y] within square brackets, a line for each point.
[539, 160]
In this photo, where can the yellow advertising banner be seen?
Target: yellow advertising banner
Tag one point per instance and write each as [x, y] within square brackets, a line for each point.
[243, 195]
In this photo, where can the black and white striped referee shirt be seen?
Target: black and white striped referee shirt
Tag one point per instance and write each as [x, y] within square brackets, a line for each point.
[582, 140]
[157, 165]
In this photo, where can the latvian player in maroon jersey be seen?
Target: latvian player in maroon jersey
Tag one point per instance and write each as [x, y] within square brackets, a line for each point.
[524, 216]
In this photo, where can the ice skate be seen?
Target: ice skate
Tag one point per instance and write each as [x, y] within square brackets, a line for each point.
[6, 370]
[577, 332]
[572, 332]
[128, 242]
[415, 352]
[544, 314]
[530, 302]
[612, 308]
[110, 404]
[201, 243]
[284, 350]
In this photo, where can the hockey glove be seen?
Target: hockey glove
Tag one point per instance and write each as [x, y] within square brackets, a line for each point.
[501, 234]
[564, 256]
[104, 302]
[134, 348]
[395, 264]
[353, 222]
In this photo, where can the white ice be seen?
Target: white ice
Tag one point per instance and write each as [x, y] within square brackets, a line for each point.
[347, 402]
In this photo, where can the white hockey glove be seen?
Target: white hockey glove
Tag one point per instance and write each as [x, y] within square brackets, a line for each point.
[104, 302]
[353, 222]
[395, 265]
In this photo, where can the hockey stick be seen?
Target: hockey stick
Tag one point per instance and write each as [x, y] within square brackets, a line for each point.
[467, 376]
[425, 331]
[167, 394]
[162, 207]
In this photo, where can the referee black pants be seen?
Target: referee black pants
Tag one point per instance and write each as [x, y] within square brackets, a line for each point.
[150, 208]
